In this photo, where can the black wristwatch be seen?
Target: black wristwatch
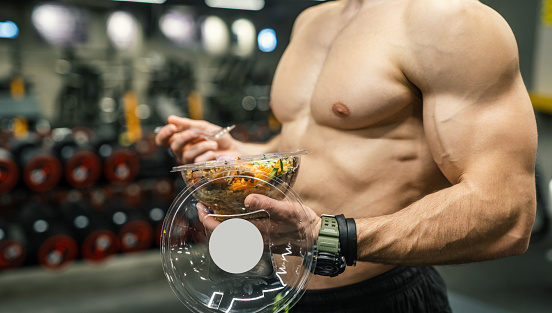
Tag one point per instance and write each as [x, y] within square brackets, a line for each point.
[336, 246]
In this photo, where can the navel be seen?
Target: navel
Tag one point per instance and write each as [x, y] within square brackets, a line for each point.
[340, 110]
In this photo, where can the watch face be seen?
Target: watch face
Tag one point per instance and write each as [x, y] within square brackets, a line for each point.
[218, 255]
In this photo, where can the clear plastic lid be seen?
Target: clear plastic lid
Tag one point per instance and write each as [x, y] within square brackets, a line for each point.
[219, 256]
[230, 161]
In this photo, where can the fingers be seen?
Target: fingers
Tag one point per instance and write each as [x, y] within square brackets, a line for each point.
[287, 212]
[207, 156]
[178, 142]
[183, 123]
[198, 152]
[275, 208]
[180, 122]
[175, 127]
[185, 138]
[206, 218]
[163, 136]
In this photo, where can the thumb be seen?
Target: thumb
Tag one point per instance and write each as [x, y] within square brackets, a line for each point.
[261, 202]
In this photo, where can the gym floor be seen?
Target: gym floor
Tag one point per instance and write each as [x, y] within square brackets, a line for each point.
[136, 284]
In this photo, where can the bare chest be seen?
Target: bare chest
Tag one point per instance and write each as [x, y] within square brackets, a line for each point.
[343, 73]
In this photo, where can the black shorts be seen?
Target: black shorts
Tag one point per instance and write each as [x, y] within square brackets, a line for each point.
[402, 289]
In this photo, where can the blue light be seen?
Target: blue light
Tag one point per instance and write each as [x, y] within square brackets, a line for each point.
[8, 29]
[267, 40]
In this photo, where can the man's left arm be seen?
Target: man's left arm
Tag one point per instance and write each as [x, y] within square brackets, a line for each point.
[481, 130]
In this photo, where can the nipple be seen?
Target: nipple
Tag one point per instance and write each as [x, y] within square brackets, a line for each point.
[340, 110]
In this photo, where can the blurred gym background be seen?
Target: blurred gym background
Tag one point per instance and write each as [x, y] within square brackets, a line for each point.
[84, 189]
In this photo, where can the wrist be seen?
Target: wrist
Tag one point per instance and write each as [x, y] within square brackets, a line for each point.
[316, 230]
[336, 245]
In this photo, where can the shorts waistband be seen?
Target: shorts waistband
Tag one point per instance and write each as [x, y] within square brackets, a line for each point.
[384, 285]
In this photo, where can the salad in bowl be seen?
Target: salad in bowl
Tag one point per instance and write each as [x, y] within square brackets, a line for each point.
[224, 184]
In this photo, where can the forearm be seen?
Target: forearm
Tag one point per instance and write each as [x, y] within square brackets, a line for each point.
[456, 225]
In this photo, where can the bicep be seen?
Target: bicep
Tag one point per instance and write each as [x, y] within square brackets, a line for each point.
[478, 118]
[482, 138]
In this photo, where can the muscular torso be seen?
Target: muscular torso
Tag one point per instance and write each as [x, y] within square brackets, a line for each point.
[341, 95]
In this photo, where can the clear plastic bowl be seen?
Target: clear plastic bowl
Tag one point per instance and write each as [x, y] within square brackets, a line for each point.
[282, 273]
[232, 180]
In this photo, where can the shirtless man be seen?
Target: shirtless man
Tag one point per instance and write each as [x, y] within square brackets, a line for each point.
[416, 112]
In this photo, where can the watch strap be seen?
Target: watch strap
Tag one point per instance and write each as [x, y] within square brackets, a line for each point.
[328, 236]
[351, 253]
[343, 243]
[347, 238]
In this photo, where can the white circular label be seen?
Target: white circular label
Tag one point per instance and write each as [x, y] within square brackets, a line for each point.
[236, 246]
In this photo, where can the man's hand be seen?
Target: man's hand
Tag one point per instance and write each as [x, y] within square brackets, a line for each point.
[284, 226]
[184, 137]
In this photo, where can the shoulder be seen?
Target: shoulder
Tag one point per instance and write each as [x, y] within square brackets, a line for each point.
[460, 21]
[463, 19]
[449, 35]
[444, 10]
